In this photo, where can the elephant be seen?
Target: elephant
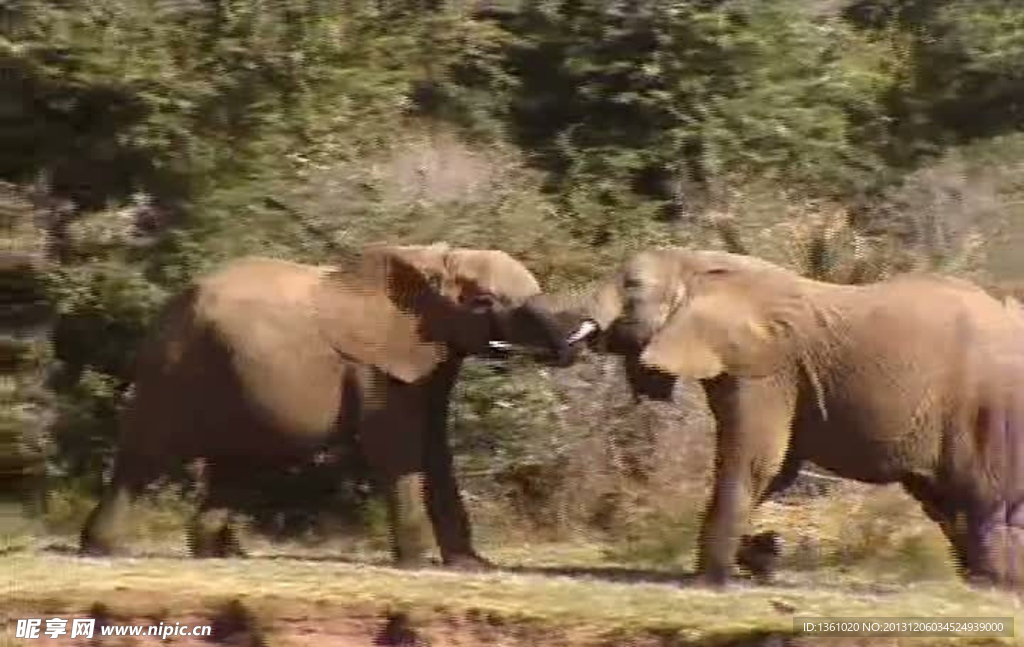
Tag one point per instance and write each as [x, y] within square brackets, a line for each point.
[916, 380]
[264, 362]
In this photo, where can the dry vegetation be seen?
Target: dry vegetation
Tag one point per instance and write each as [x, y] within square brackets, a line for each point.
[620, 500]
[848, 150]
[625, 533]
[292, 601]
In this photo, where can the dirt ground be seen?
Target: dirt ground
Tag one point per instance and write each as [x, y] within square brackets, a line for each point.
[312, 626]
[293, 602]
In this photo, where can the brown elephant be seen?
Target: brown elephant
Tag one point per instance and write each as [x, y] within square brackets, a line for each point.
[265, 362]
[917, 380]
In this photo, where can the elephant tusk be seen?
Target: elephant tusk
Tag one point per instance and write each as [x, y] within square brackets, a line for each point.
[587, 328]
[500, 345]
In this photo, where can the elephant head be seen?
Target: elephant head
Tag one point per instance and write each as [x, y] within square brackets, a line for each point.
[673, 313]
[407, 309]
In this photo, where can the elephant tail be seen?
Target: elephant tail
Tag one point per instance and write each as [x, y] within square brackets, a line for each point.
[167, 339]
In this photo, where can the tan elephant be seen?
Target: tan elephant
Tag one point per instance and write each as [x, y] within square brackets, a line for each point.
[917, 380]
[264, 362]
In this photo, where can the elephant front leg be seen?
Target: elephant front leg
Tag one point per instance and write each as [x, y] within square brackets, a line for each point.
[759, 554]
[724, 519]
[445, 505]
[451, 522]
[753, 433]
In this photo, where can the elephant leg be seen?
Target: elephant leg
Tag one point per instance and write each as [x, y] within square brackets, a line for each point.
[996, 527]
[753, 432]
[392, 440]
[759, 553]
[968, 525]
[407, 518]
[785, 477]
[990, 543]
[445, 506]
[989, 526]
[211, 532]
[104, 525]
[942, 510]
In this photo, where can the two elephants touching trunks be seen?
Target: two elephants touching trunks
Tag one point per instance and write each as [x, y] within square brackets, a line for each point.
[915, 380]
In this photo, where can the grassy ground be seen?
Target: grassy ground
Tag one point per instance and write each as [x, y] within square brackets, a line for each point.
[547, 595]
[859, 552]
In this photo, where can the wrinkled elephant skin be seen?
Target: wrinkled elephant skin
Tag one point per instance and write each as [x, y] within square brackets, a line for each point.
[263, 362]
[917, 380]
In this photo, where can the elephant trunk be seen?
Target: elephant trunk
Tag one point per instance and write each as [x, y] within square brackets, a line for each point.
[582, 315]
[596, 316]
[539, 331]
[648, 383]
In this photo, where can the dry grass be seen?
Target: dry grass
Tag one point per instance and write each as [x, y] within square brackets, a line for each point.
[880, 532]
[580, 606]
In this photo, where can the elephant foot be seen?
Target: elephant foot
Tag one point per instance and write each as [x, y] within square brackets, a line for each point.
[96, 549]
[981, 581]
[231, 546]
[759, 554]
[222, 544]
[994, 554]
[218, 552]
[412, 563]
[717, 580]
[91, 544]
[469, 563]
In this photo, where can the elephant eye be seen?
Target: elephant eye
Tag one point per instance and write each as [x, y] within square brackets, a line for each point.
[717, 271]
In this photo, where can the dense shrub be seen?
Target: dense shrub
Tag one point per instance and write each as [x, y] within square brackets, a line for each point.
[145, 141]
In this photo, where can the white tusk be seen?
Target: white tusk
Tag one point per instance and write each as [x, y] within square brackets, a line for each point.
[500, 345]
[586, 329]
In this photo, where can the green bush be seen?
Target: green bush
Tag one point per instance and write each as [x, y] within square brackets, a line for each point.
[147, 141]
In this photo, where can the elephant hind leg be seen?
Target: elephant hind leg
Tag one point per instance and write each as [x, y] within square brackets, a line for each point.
[212, 533]
[987, 540]
[102, 529]
[407, 518]
[398, 467]
[212, 530]
[940, 509]
[992, 545]
[785, 477]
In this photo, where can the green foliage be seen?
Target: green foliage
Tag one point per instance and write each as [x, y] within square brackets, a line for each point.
[104, 310]
[669, 97]
[969, 68]
[655, 538]
[174, 98]
[145, 141]
[503, 426]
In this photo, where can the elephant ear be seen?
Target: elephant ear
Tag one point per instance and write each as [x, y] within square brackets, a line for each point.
[710, 335]
[388, 309]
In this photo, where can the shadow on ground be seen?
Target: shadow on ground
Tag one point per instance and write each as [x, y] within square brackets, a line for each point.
[612, 574]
